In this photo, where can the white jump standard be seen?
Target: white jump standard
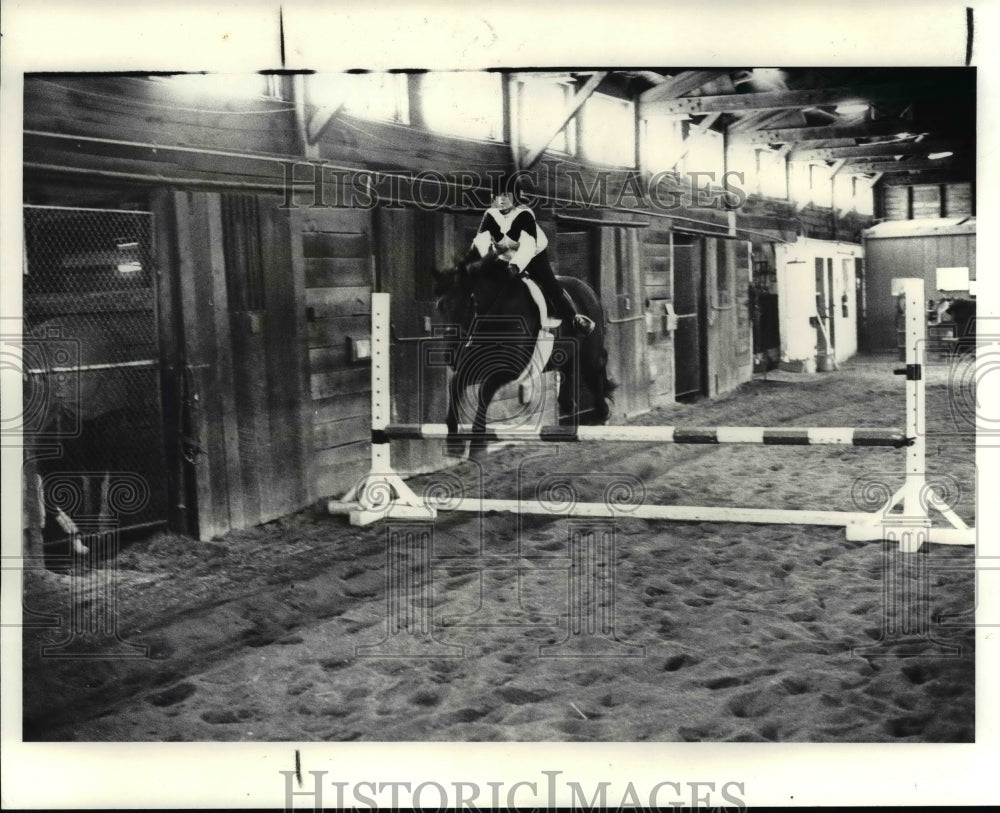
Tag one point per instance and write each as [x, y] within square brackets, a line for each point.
[383, 493]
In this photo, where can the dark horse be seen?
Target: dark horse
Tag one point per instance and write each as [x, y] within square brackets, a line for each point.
[498, 323]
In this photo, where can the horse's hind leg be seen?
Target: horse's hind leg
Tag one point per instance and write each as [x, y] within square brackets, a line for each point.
[596, 383]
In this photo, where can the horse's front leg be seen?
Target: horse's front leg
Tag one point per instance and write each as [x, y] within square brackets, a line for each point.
[453, 446]
[489, 387]
[568, 396]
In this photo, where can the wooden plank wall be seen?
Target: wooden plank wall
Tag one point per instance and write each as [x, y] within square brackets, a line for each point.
[916, 201]
[404, 238]
[622, 297]
[729, 360]
[890, 257]
[245, 371]
[209, 385]
[337, 280]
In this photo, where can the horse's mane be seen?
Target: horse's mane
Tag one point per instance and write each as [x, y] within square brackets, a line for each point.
[463, 271]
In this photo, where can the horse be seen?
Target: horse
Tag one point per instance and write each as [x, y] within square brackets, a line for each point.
[498, 323]
[963, 313]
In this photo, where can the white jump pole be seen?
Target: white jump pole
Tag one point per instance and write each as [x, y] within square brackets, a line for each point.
[383, 494]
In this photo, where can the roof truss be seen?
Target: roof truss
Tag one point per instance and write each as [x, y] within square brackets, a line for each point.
[784, 99]
[868, 151]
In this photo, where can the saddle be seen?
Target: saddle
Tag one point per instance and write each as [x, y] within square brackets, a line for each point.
[548, 322]
[543, 345]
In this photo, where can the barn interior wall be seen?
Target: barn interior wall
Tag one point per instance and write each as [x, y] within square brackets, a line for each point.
[915, 256]
[922, 201]
[134, 131]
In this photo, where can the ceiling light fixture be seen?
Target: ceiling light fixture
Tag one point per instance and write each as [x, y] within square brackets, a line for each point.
[851, 109]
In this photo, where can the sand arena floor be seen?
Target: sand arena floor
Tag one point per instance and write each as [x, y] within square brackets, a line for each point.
[689, 631]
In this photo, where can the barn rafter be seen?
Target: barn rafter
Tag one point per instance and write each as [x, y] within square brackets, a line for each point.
[866, 116]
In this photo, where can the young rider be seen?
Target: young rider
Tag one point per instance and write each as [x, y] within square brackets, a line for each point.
[512, 233]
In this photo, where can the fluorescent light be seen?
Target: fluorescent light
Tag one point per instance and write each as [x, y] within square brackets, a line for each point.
[769, 75]
[851, 109]
[934, 156]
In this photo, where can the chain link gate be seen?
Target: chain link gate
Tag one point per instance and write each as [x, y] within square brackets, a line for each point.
[93, 416]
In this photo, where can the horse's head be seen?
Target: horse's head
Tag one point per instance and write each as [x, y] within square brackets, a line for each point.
[453, 290]
[467, 285]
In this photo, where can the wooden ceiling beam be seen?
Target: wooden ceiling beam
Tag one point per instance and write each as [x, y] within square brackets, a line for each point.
[919, 164]
[778, 135]
[864, 151]
[781, 99]
[675, 86]
[928, 177]
[753, 120]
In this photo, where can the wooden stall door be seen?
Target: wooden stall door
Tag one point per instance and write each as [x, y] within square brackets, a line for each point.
[621, 295]
[575, 253]
[659, 340]
[689, 363]
[242, 311]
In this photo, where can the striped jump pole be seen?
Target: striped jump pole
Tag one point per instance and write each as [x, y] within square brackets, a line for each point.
[755, 435]
[383, 493]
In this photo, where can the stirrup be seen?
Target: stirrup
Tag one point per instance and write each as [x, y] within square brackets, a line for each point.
[584, 324]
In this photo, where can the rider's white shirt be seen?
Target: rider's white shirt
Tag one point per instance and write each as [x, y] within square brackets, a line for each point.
[515, 235]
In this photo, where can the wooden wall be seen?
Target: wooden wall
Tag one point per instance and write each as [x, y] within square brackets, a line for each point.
[281, 377]
[919, 201]
[727, 282]
[244, 370]
[337, 277]
[914, 256]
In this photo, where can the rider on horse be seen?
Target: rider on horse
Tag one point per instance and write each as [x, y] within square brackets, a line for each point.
[512, 233]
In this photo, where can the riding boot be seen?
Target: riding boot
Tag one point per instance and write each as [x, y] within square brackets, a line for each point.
[541, 272]
[583, 325]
